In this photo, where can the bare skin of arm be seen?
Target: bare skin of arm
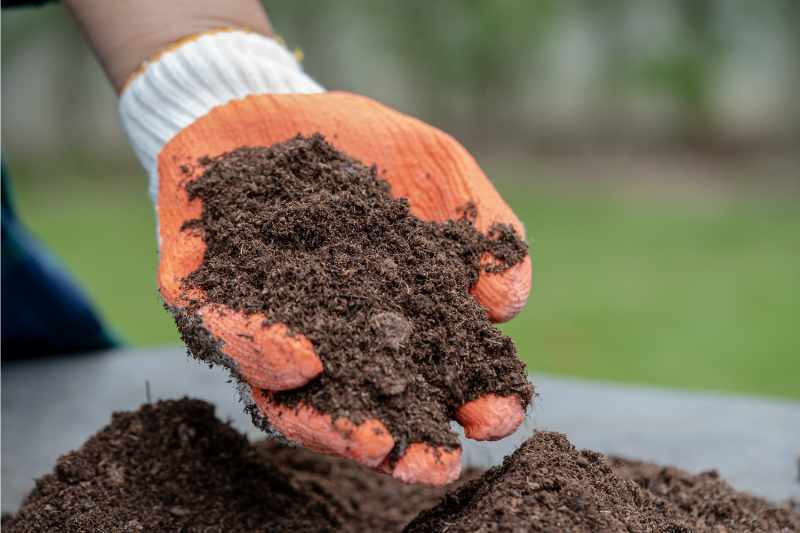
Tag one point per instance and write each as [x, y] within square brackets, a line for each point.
[125, 33]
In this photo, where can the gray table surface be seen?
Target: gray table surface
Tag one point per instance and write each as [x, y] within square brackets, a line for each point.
[51, 406]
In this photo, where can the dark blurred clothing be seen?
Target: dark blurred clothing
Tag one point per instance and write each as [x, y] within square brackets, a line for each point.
[25, 3]
[43, 310]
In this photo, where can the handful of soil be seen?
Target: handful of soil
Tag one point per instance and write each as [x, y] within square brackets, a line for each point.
[548, 485]
[313, 239]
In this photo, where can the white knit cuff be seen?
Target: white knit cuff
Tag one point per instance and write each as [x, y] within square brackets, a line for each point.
[186, 83]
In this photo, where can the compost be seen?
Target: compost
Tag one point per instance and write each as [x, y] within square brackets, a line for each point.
[548, 485]
[707, 500]
[313, 239]
[173, 466]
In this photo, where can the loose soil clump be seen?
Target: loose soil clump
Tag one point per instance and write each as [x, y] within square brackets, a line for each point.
[313, 239]
[548, 485]
[173, 466]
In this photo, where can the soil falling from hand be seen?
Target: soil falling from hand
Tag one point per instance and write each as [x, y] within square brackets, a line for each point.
[313, 239]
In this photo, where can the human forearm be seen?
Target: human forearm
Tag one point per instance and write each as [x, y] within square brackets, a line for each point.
[124, 33]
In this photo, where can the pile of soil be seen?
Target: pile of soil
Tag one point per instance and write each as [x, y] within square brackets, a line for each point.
[172, 466]
[313, 239]
[548, 485]
[707, 500]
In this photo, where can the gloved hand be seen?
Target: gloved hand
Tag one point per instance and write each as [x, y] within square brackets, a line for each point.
[216, 92]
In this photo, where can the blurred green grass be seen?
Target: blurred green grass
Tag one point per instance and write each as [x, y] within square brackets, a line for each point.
[697, 293]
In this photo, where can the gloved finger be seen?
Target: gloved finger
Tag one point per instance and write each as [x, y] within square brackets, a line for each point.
[181, 253]
[266, 356]
[424, 464]
[368, 442]
[491, 417]
[439, 177]
[504, 294]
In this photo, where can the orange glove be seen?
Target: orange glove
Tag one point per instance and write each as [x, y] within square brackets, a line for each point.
[175, 114]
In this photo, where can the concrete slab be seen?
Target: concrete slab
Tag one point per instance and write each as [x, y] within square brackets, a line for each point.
[52, 406]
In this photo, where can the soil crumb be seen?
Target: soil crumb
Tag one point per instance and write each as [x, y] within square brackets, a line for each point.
[313, 239]
[173, 466]
[548, 485]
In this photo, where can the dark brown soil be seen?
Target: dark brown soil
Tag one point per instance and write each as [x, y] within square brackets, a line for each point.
[313, 239]
[548, 485]
[362, 499]
[708, 501]
[173, 466]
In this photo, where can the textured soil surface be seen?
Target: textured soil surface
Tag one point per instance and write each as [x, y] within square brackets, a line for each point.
[362, 500]
[313, 239]
[172, 466]
[548, 485]
[707, 500]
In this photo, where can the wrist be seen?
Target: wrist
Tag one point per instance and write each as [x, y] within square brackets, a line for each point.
[126, 33]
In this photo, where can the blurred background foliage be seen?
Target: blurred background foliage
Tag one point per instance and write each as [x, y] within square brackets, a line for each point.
[652, 148]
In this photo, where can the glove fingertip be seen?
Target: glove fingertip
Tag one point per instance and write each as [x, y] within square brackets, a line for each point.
[504, 294]
[491, 417]
[368, 442]
[424, 464]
